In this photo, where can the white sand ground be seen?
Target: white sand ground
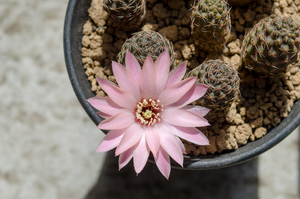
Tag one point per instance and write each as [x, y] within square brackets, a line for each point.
[47, 142]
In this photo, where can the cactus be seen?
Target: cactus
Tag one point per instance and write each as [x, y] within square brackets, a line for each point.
[271, 45]
[224, 86]
[211, 24]
[125, 14]
[146, 42]
[240, 2]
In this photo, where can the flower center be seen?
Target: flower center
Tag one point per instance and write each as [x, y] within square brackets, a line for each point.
[148, 112]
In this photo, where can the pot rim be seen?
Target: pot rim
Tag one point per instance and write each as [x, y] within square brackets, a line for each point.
[76, 15]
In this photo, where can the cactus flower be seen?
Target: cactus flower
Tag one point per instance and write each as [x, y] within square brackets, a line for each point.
[148, 111]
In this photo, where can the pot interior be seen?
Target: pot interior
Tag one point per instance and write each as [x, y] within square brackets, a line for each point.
[76, 16]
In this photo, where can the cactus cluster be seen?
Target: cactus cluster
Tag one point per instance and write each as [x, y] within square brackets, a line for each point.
[271, 45]
[211, 24]
[125, 14]
[143, 43]
[223, 82]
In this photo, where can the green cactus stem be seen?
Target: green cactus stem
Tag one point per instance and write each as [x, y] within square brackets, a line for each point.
[143, 43]
[211, 24]
[125, 14]
[271, 45]
[224, 86]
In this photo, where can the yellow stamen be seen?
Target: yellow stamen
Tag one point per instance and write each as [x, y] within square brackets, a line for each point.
[148, 112]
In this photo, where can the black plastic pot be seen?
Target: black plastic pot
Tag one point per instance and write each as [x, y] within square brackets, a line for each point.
[76, 16]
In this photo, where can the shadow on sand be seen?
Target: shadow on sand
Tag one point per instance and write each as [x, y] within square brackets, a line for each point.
[240, 181]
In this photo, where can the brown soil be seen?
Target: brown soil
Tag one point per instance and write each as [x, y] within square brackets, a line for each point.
[262, 103]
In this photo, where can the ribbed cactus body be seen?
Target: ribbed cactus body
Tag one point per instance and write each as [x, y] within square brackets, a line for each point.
[223, 82]
[211, 24]
[125, 14]
[271, 45]
[143, 43]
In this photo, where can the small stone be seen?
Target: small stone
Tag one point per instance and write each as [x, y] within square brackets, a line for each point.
[243, 111]
[97, 13]
[232, 37]
[85, 41]
[184, 33]
[249, 15]
[121, 34]
[150, 27]
[233, 47]
[260, 132]
[170, 32]
[118, 44]
[295, 79]
[226, 142]
[176, 4]
[236, 62]
[238, 119]
[88, 28]
[294, 70]
[186, 52]
[178, 54]
[257, 123]
[159, 11]
[107, 38]
[239, 27]
[185, 20]
[283, 3]
[87, 60]
[98, 54]
[252, 112]
[267, 121]
[243, 133]
[212, 147]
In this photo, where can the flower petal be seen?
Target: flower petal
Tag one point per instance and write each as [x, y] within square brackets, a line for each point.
[126, 80]
[131, 137]
[162, 67]
[119, 96]
[191, 134]
[119, 72]
[125, 157]
[181, 145]
[176, 74]
[110, 140]
[197, 91]
[148, 79]
[177, 91]
[181, 117]
[198, 110]
[133, 66]
[140, 155]
[119, 121]
[153, 140]
[171, 145]
[163, 162]
[105, 105]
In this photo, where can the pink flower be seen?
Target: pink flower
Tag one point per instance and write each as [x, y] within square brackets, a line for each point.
[149, 112]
